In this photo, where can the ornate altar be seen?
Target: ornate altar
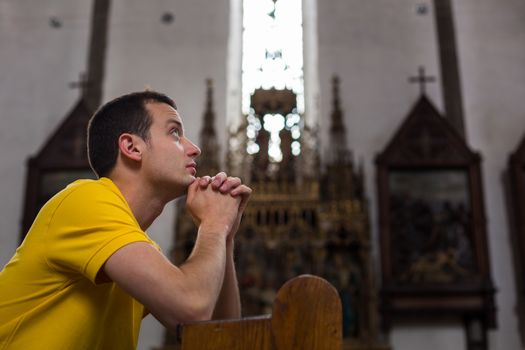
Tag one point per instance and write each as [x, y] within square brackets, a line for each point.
[300, 219]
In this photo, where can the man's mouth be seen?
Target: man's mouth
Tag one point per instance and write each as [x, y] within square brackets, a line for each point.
[192, 167]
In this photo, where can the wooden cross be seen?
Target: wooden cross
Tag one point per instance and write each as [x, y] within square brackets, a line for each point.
[422, 79]
[81, 84]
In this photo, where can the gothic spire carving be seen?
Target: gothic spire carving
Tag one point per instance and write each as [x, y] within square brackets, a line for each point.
[208, 129]
[340, 181]
[209, 159]
[338, 148]
[337, 113]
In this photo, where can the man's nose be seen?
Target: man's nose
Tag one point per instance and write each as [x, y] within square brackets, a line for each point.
[192, 149]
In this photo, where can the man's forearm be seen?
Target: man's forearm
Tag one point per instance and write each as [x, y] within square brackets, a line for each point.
[228, 305]
[206, 267]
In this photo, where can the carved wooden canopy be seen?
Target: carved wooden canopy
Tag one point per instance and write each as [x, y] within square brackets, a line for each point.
[426, 138]
[63, 158]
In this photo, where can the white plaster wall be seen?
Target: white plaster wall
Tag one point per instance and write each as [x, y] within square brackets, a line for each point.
[175, 59]
[374, 46]
[37, 64]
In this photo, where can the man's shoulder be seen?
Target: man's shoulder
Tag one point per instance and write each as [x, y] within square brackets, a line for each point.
[87, 192]
[91, 188]
[87, 201]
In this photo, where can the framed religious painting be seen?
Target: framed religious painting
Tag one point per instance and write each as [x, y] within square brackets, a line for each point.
[62, 160]
[434, 253]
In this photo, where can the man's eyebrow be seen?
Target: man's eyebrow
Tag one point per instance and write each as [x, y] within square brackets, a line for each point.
[178, 123]
[174, 121]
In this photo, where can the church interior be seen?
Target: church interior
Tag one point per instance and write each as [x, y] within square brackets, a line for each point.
[384, 141]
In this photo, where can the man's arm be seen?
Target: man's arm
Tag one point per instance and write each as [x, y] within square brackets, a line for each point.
[189, 293]
[228, 305]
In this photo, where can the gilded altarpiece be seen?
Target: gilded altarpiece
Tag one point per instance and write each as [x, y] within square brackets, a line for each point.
[299, 220]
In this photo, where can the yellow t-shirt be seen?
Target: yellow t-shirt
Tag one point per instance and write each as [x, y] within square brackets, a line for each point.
[48, 295]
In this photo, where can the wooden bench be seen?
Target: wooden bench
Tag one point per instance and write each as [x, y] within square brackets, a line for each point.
[306, 315]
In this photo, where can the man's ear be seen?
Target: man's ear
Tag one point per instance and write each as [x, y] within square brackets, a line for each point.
[131, 146]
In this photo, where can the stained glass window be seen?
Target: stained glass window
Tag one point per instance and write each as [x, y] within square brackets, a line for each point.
[272, 58]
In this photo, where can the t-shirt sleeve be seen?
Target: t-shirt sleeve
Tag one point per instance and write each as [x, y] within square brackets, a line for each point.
[87, 227]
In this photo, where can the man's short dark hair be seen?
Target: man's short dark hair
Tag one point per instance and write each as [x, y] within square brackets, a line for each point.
[125, 114]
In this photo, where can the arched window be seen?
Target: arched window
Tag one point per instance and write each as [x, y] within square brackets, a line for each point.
[272, 58]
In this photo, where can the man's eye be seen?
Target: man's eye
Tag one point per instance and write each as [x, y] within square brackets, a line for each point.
[176, 133]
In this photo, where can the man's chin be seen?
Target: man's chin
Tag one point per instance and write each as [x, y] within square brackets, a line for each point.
[191, 180]
[180, 188]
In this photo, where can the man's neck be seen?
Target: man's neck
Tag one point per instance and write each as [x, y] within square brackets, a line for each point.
[145, 205]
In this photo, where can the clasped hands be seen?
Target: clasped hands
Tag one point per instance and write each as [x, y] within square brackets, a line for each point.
[218, 202]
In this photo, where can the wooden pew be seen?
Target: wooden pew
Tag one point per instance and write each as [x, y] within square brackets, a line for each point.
[306, 315]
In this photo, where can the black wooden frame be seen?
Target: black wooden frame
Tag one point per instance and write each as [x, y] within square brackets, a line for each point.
[425, 142]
